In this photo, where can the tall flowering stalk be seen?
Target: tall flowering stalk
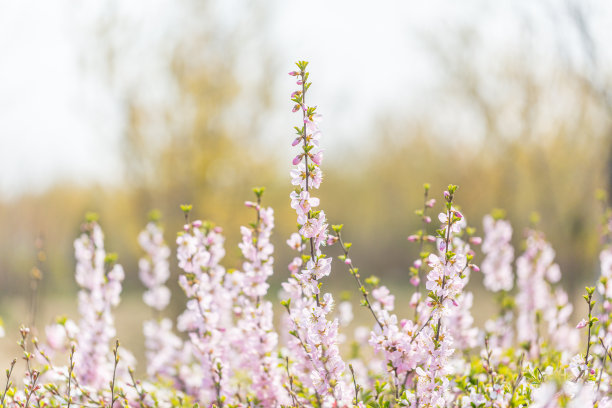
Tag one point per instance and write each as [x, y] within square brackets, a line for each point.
[153, 268]
[446, 278]
[317, 335]
[255, 338]
[499, 254]
[161, 344]
[208, 313]
[99, 277]
[538, 301]
[445, 282]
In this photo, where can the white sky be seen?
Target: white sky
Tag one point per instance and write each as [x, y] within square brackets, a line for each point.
[59, 122]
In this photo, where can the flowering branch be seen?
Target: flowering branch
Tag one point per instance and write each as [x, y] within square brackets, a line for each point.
[319, 334]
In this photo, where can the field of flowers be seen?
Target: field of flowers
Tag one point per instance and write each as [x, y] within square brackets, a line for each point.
[224, 350]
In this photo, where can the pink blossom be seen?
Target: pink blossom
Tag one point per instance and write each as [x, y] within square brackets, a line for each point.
[384, 297]
[317, 157]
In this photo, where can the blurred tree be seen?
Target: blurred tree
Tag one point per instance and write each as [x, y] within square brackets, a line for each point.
[191, 139]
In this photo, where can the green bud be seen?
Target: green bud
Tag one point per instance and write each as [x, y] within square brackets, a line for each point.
[154, 215]
[534, 218]
[111, 258]
[498, 214]
[337, 228]
[259, 191]
[373, 280]
[91, 217]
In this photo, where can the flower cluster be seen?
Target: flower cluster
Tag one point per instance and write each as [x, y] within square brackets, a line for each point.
[99, 277]
[208, 311]
[539, 301]
[161, 344]
[154, 269]
[256, 340]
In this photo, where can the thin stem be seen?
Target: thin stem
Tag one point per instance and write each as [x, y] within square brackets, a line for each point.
[290, 388]
[31, 388]
[140, 392]
[9, 372]
[603, 363]
[70, 377]
[115, 352]
[519, 377]
[488, 359]
[422, 327]
[354, 384]
[27, 356]
[406, 380]
[367, 303]
[357, 277]
[219, 372]
[446, 242]
[70, 370]
[607, 350]
[589, 301]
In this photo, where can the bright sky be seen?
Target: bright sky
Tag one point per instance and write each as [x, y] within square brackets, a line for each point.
[59, 122]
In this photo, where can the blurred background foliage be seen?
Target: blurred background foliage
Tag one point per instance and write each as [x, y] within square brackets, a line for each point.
[540, 142]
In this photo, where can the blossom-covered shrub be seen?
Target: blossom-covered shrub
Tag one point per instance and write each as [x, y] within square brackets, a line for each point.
[224, 350]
